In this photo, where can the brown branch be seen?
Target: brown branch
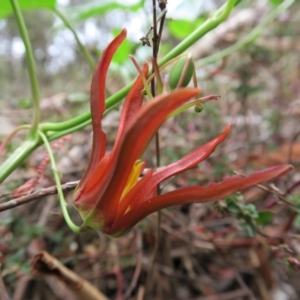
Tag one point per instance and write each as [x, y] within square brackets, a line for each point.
[69, 186]
[44, 263]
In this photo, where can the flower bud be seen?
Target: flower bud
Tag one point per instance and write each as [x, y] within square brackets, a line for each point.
[198, 107]
[181, 72]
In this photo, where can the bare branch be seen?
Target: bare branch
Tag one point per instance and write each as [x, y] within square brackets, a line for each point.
[69, 186]
[46, 264]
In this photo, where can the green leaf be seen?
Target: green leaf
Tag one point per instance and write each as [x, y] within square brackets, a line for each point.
[238, 197]
[232, 206]
[250, 210]
[6, 9]
[249, 228]
[264, 218]
[94, 8]
[182, 28]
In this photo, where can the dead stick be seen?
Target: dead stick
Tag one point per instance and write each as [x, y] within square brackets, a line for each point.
[44, 263]
[69, 186]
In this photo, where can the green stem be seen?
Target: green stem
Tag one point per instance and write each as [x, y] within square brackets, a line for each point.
[85, 117]
[31, 67]
[57, 134]
[61, 197]
[18, 157]
[256, 32]
[82, 49]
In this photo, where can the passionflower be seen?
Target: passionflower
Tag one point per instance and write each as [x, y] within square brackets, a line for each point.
[112, 196]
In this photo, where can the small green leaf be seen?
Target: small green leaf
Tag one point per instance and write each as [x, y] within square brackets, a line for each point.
[182, 28]
[232, 206]
[239, 197]
[90, 9]
[250, 210]
[264, 218]
[249, 228]
[6, 9]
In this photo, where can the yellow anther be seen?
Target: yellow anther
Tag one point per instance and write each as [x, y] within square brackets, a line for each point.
[133, 177]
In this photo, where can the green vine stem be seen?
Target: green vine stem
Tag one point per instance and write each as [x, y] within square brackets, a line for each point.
[61, 197]
[249, 38]
[18, 157]
[57, 134]
[85, 117]
[31, 68]
[82, 49]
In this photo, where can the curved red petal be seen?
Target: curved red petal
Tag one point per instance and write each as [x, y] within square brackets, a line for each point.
[188, 161]
[87, 195]
[137, 135]
[132, 103]
[196, 194]
[97, 95]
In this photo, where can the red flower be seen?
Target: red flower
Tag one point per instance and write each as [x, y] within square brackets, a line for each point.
[110, 197]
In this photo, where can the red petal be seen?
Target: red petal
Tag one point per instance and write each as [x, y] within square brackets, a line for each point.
[98, 106]
[188, 161]
[132, 103]
[136, 137]
[87, 195]
[98, 93]
[196, 194]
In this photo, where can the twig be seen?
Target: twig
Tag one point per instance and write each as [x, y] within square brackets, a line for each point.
[141, 293]
[44, 263]
[155, 48]
[264, 266]
[272, 190]
[21, 287]
[69, 186]
[145, 39]
[113, 250]
[243, 285]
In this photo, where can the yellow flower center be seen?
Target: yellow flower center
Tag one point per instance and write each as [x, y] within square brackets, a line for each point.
[133, 177]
